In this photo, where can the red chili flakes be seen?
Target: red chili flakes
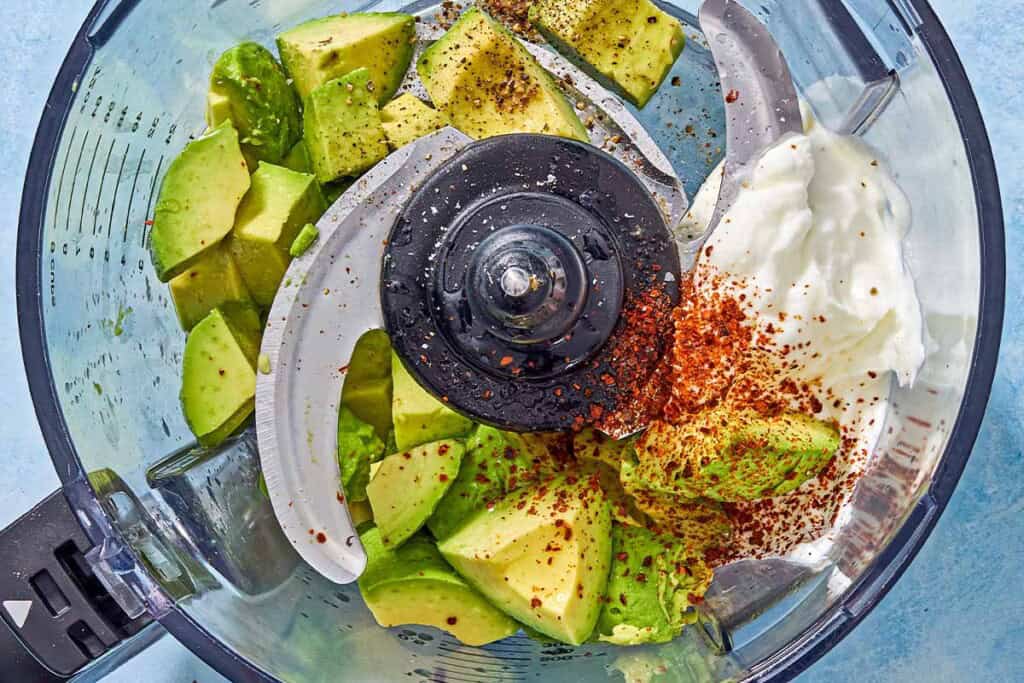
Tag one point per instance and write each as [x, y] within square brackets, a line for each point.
[641, 578]
[442, 477]
[622, 557]
[451, 621]
[321, 537]
[695, 599]
[622, 599]
[341, 498]
[647, 561]
[535, 603]
[482, 479]
[732, 96]
[505, 361]
[442, 449]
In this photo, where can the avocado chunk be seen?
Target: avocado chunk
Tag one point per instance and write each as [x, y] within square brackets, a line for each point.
[541, 555]
[270, 217]
[358, 447]
[591, 444]
[211, 281]
[197, 202]
[218, 386]
[304, 240]
[408, 485]
[297, 158]
[418, 416]
[732, 456]
[699, 523]
[495, 463]
[628, 46]
[653, 586]
[328, 48]
[344, 133]
[260, 102]
[487, 83]
[414, 585]
[407, 118]
[367, 390]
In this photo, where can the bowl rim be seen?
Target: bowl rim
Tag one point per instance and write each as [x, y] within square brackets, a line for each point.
[817, 639]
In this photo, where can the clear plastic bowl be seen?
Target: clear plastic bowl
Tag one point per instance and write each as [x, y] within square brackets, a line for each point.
[188, 537]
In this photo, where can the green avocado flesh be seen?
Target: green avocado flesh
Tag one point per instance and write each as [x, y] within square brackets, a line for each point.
[367, 390]
[249, 87]
[541, 555]
[187, 223]
[304, 240]
[652, 586]
[418, 416]
[212, 280]
[487, 83]
[731, 457]
[218, 387]
[407, 486]
[269, 219]
[414, 585]
[297, 158]
[358, 447]
[344, 133]
[324, 49]
[495, 463]
[628, 45]
[407, 118]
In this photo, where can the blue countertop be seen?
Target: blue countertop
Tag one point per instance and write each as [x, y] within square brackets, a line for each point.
[956, 613]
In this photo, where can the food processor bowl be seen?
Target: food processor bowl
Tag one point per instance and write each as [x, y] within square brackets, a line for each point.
[150, 528]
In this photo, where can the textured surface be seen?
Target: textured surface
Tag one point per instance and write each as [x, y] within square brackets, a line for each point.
[954, 616]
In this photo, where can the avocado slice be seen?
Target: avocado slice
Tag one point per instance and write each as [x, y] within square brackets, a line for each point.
[197, 202]
[414, 585]
[344, 133]
[418, 416]
[358, 447]
[249, 87]
[495, 463]
[211, 281]
[628, 46]
[324, 49]
[653, 586]
[407, 118]
[297, 158]
[367, 390]
[407, 486]
[541, 555]
[699, 523]
[270, 217]
[218, 386]
[732, 455]
[487, 83]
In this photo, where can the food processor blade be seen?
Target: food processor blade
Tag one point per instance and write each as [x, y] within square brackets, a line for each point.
[761, 103]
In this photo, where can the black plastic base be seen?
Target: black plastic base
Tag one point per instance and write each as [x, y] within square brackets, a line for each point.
[578, 236]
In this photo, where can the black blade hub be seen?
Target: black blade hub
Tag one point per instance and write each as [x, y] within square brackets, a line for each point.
[506, 273]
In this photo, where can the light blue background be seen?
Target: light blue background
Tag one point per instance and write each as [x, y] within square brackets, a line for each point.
[956, 615]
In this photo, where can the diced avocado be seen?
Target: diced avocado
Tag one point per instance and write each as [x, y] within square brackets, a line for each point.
[211, 281]
[324, 49]
[407, 118]
[218, 108]
[653, 585]
[541, 555]
[414, 585]
[627, 45]
[487, 83]
[495, 463]
[198, 200]
[367, 388]
[218, 386]
[270, 217]
[591, 444]
[297, 158]
[358, 446]
[261, 103]
[344, 134]
[732, 456]
[304, 240]
[418, 416]
[700, 524]
[408, 485]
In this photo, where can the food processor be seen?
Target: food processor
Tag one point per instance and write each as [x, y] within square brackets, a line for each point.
[149, 528]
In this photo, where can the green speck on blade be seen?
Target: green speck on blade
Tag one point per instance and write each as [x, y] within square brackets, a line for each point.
[263, 363]
[122, 313]
[98, 388]
[304, 240]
